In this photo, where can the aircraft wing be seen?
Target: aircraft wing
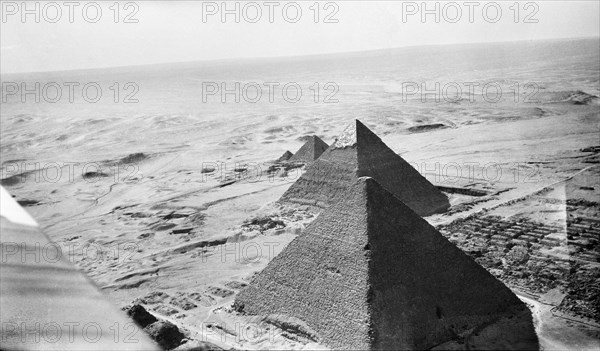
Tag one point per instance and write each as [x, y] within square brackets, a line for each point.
[45, 302]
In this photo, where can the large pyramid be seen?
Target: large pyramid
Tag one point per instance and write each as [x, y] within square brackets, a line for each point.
[310, 151]
[356, 153]
[369, 273]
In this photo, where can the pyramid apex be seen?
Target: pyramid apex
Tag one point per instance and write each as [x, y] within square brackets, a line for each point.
[368, 181]
[371, 188]
[318, 141]
[361, 184]
[286, 156]
[310, 151]
[348, 138]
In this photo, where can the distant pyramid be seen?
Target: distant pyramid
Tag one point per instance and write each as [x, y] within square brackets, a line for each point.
[359, 152]
[310, 151]
[286, 156]
[369, 273]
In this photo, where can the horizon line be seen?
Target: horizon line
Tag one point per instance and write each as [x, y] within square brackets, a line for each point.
[259, 58]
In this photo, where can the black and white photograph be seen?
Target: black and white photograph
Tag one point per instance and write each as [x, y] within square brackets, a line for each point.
[299, 175]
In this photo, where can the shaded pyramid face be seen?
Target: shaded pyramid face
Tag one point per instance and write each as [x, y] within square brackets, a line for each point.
[359, 152]
[310, 151]
[369, 273]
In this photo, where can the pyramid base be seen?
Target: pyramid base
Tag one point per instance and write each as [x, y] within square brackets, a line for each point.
[511, 332]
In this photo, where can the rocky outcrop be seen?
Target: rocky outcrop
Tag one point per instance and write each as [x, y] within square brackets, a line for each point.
[166, 334]
[140, 316]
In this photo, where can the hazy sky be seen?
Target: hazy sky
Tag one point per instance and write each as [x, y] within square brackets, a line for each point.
[177, 31]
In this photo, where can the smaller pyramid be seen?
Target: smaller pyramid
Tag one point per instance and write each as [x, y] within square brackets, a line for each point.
[286, 156]
[310, 151]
